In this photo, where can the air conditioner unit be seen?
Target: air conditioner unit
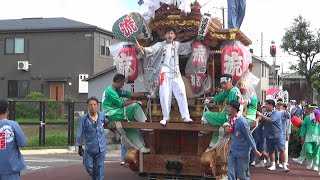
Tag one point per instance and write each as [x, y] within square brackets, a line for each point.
[23, 65]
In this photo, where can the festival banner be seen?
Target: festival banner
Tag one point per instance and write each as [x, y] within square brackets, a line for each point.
[130, 27]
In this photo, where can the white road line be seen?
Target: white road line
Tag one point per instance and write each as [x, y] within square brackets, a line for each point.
[33, 168]
[51, 160]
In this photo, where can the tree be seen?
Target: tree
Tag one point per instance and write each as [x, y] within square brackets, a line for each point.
[316, 83]
[300, 41]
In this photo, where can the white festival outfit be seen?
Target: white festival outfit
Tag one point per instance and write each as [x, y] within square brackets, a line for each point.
[169, 76]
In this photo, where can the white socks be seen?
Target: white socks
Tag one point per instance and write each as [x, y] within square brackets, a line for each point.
[273, 166]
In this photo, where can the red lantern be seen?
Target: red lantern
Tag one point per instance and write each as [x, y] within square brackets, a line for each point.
[199, 57]
[273, 50]
[235, 61]
[196, 80]
[296, 121]
[127, 62]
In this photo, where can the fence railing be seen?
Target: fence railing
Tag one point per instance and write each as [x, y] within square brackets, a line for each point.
[47, 123]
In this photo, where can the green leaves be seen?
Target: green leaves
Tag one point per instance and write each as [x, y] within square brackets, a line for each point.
[301, 41]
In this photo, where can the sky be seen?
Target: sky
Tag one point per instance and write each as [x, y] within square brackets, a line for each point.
[267, 17]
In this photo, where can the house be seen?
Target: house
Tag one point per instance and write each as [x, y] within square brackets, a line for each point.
[275, 81]
[261, 69]
[52, 56]
[296, 85]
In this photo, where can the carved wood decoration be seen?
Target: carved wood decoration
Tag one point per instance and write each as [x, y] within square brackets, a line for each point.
[186, 26]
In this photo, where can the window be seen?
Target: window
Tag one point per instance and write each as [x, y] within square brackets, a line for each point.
[262, 72]
[14, 45]
[104, 46]
[17, 88]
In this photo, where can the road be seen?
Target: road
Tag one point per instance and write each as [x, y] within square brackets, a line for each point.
[48, 161]
[69, 166]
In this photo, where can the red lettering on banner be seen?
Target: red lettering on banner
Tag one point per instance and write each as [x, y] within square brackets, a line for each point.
[2, 140]
[128, 26]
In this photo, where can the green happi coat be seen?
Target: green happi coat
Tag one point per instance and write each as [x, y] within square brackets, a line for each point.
[219, 118]
[112, 104]
[311, 132]
[251, 111]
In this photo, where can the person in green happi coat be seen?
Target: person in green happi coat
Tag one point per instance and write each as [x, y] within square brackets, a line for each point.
[219, 118]
[117, 110]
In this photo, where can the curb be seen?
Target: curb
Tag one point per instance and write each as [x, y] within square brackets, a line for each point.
[46, 151]
[71, 149]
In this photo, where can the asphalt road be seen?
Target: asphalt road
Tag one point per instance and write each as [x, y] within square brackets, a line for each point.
[69, 166]
[48, 161]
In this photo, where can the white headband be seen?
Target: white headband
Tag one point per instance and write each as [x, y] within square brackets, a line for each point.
[225, 79]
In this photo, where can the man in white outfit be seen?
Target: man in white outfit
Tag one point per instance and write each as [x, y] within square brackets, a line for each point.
[164, 59]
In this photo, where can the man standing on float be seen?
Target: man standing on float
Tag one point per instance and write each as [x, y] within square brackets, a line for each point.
[236, 12]
[163, 57]
[219, 118]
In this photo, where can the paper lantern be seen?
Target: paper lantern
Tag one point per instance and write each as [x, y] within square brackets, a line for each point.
[127, 62]
[296, 121]
[196, 81]
[235, 61]
[199, 57]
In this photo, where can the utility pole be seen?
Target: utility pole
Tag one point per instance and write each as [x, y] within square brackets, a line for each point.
[261, 45]
[223, 20]
[273, 52]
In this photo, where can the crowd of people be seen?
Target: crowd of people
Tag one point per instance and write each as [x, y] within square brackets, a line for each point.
[274, 137]
[268, 143]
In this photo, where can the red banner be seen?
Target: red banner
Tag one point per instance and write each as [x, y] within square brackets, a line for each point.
[2, 140]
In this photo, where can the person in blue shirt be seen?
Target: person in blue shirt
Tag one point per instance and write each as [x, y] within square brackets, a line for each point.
[273, 134]
[12, 137]
[91, 130]
[297, 111]
[242, 143]
[285, 125]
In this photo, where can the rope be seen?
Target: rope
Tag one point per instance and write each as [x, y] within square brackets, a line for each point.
[149, 109]
[125, 140]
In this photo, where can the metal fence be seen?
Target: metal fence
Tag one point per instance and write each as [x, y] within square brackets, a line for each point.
[47, 123]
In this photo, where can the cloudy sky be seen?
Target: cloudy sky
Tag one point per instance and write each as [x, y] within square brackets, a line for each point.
[269, 17]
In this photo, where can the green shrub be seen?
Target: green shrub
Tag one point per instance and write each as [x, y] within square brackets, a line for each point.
[27, 110]
[294, 143]
[36, 96]
[30, 110]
